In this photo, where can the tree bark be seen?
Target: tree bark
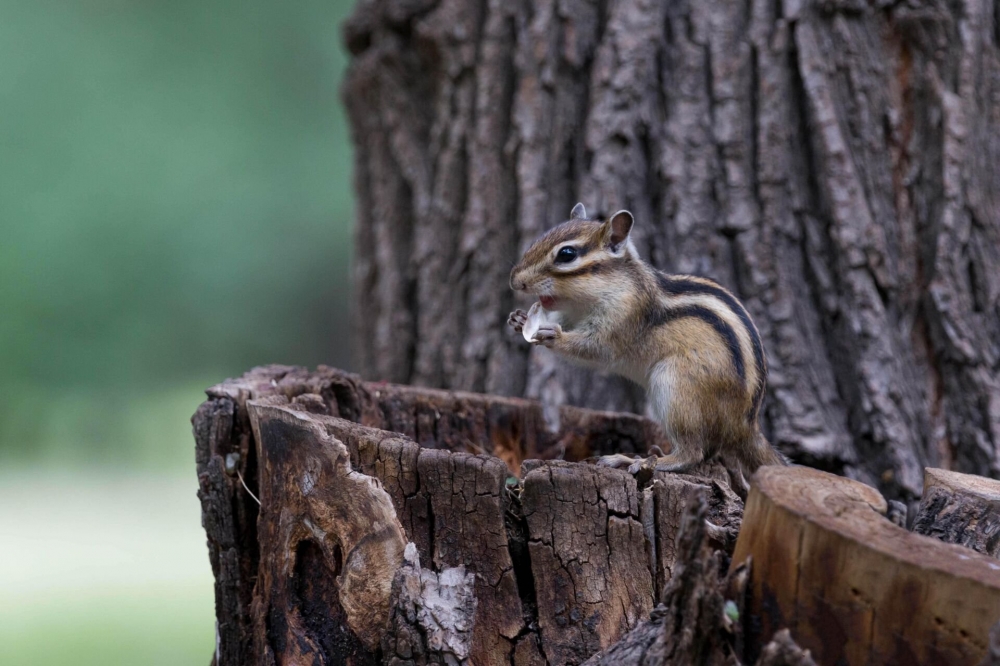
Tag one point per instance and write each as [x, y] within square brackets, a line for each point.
[313, 482]
[700, 622]
[546, 561]
[833, 162]
[692, 625]
[962, 509]
[853, 587]
[433, 615]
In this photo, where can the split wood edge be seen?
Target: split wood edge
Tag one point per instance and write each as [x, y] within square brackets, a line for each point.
[960, 508]
[308, 491]
[852, 586]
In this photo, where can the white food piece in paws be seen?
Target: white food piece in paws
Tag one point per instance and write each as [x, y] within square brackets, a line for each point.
[537, 315]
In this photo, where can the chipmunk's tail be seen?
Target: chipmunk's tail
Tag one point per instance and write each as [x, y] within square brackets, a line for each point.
[761, 453]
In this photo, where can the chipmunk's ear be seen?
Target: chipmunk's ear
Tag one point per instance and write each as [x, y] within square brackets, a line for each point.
[578, 212]
[619, 227]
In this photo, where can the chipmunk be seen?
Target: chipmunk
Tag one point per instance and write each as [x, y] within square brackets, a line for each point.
[686, 339]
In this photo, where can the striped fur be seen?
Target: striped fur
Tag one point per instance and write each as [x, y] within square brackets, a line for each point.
[677, 286]
[687, 339]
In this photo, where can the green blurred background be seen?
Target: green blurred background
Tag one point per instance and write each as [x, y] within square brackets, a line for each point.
[175, 207]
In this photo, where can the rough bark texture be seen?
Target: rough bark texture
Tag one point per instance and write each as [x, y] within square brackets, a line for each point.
[432, 616]
[700, 622]
[562, 559]
[691, 627]
[834, 162]
[962, 509]
[853, 587]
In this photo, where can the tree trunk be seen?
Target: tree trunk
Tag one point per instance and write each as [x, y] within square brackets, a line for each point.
[834, 162]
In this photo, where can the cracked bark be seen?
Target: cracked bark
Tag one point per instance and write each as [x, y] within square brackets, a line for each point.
[562, 559]
[522, 556]
[834, 163]
[699, 622]
[962, 509]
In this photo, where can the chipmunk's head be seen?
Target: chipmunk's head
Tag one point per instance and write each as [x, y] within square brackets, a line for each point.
[576, 261]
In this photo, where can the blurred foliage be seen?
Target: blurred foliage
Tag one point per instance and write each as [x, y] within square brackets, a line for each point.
[175, 208]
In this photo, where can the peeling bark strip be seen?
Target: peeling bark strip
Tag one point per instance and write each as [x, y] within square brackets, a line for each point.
[330, 545]
[962, 509]
[565, 561]
[854, 588]
[432, 615]
[834, 163]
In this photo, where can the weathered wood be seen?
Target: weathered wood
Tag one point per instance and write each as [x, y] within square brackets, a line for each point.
[587, 548]
[833, 162]
[565, 558]
[330, 544]
[962, 509]
[670, 495]
[700, 622]
[224, 453]
[692, 625]
[783, 651]
[851, 586]
[432, 615]
[992, 657]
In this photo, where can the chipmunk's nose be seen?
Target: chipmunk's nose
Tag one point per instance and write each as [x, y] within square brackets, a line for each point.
[515, 283]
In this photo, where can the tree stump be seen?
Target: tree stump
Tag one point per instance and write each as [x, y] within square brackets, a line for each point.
[692, 626]
[413, 526]
[330, 542]
[962, 509]
[853, 587]
[530, 557]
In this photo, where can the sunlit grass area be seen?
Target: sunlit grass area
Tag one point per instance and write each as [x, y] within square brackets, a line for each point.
[150, 626]
[100, 567]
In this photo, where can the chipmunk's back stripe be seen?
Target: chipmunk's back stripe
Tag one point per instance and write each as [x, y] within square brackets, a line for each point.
[724, 330]
[674, 285]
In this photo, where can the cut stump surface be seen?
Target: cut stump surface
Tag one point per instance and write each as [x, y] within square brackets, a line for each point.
[853, 587]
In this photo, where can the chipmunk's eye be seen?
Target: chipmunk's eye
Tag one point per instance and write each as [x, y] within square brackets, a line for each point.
[565, 255]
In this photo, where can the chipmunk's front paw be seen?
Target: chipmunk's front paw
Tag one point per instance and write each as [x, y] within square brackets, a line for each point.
[547, 335]
[517, 319]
